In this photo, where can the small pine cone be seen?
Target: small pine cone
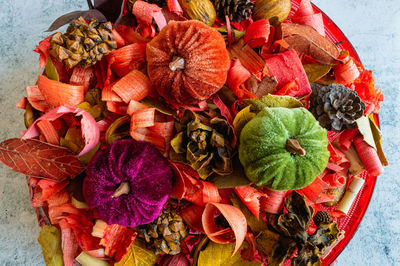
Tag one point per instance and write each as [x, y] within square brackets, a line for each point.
[336, 107]
[83, 43]
[322, 217]
[236, 10]
[165, 233]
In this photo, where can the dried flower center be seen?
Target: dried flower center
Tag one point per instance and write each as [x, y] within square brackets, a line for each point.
[293, 146]
[177, 63]
[123, 189]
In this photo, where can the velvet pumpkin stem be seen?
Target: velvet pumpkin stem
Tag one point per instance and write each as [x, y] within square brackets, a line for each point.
[122, 189]
[293, 146]
[177, 63]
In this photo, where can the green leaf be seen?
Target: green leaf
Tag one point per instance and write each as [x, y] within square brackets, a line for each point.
[316, 71]
[256, 225]
[51, 71]
[50, 240]
[138, 255]
[221, 255]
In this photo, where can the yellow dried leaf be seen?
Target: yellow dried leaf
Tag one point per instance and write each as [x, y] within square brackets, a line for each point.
[94, 111]
[50, 240]
[87, 156]
[378, 141]
[241, 119]
[316, 71]
[73, 140]
[51, 71]
[221, 255]
[138, 255]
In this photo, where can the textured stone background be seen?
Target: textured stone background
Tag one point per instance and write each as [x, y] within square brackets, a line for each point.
[372, 26]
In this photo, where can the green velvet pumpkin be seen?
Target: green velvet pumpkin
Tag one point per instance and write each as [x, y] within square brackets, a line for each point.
[273, 158]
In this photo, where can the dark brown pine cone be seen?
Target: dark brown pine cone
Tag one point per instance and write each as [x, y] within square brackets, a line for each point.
[336, 107]
[322, 217]
[165, 233]
[237, 10]
[83, 43]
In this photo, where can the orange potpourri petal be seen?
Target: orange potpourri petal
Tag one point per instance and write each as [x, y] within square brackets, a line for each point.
[133, 86]
[36, 98]
[257, 34]
[235, 218]
[251, 197]
[57, 93]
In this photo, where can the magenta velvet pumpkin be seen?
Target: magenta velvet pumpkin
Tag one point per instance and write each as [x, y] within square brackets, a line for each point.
[139, 165]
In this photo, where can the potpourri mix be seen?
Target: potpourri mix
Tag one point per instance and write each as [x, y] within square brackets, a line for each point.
[195, 133]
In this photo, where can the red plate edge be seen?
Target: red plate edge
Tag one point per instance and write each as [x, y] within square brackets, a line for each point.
[362, 201]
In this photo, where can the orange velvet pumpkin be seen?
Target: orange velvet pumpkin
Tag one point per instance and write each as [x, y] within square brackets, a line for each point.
[187, 62]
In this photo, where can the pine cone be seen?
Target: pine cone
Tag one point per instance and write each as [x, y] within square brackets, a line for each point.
[83, 43]
[165, 233]
[237, 10]
[322, 217]
[336, 107]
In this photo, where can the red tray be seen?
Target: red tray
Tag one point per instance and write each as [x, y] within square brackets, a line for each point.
[349, 223]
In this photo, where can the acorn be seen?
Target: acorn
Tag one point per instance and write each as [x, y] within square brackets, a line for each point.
[276, 11]
[202, 10]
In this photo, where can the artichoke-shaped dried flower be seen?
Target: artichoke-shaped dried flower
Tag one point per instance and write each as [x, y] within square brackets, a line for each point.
[203, 143]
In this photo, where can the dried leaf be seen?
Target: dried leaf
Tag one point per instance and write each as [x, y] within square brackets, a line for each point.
[160, 106]
[39, 159]
[50, 240]
[51, 71]
[256, 225]
[276, 247]
[364, 126]
[241, 119]
[316, 71]
[69, 17]
[377, 137]
[248, 57]
[85, 259]
[221, 255]
[138, 255]
[236, 179]
[306, 40]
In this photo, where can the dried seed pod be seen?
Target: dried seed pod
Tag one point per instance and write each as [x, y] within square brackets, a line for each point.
[322, 217]
[202, 10]
[276, 11]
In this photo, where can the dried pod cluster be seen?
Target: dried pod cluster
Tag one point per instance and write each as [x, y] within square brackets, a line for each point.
[83, 43]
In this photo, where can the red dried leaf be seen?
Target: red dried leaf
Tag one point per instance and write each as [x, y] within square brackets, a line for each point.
[192, 216]
[130, 57]
[174, 7]
[315, 189]
[274, 203]
[248, 57]
[305, 15]
[235, 218]
[108, 95]
[143, 118]
[38, 159]
[257, 33]
[44, 51]
[347, 137]
[145, 13]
